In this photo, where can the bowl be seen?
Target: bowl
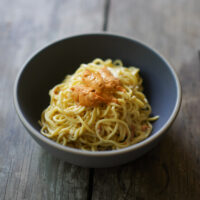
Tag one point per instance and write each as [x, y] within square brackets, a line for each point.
[49, 66]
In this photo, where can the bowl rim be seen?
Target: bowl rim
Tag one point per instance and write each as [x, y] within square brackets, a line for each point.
[136, 146]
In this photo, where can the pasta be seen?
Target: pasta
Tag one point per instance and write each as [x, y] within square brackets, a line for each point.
[100, 107]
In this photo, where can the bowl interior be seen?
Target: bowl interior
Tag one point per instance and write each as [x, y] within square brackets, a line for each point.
[49, 67]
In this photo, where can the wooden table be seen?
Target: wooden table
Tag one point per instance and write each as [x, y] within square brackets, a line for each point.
[171, 171]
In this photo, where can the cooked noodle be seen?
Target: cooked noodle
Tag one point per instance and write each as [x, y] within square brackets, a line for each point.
[117, 119]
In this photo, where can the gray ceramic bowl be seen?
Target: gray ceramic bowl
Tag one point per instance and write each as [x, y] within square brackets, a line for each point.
[49, 67]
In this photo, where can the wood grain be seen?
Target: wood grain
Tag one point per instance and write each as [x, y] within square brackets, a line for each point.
[171, 170]
[26, 171]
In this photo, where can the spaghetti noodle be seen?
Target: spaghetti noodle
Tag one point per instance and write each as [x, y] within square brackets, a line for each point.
[100, 107]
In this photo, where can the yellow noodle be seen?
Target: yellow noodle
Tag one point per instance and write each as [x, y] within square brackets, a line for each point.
[103, 127]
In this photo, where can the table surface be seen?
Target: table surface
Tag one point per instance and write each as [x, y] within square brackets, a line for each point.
[168, 172]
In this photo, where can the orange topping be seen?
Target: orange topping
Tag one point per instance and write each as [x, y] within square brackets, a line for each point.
[144, 127]
[111, 82]
[97, 88]
[93, 80]
[86, 96]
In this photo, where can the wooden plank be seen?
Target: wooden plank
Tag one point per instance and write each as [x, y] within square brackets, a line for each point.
[26, 171]
[171, 170]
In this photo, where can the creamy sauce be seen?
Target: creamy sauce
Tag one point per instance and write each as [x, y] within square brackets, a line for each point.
[96, 88]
